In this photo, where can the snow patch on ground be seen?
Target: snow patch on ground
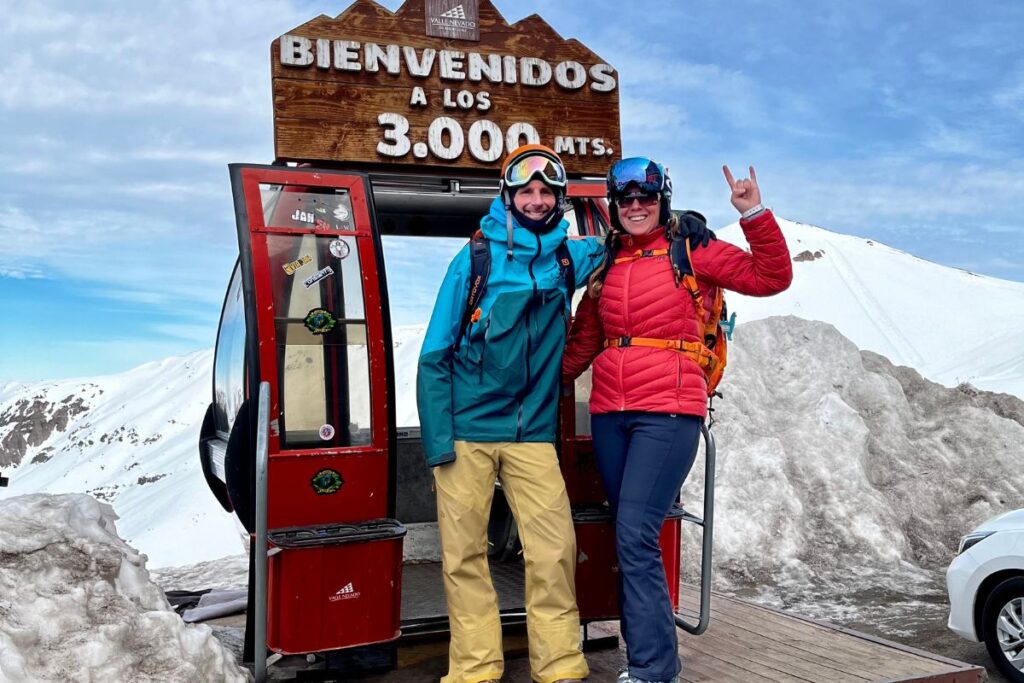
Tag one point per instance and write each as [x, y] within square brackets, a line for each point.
[224, 574]
[77, 603]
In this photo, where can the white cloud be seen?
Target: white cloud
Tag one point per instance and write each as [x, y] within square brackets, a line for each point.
[945, 139]
[203, 335]
[30, 273]
[649, 121]
[1011, 95]
[37, 17]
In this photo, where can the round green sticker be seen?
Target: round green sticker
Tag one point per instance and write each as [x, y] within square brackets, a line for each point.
[326, 482]
[320, 321]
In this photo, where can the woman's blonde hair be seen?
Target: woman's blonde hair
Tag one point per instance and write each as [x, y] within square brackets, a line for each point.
[612, 243]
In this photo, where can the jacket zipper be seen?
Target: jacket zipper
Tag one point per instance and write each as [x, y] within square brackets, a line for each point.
[625, 296]
[483, 349]
[529, 338]
[622, 386]
[626, 326]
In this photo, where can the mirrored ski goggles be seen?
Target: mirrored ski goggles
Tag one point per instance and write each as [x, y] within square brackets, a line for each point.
[640, 171]
[527, 168]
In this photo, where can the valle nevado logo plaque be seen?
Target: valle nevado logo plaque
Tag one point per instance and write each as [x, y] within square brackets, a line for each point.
[455, 19]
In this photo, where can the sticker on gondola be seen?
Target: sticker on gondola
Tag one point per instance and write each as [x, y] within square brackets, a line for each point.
[320, 321]
[326, 432]
[326, 482]
[339, 248]
[341, 213]
[318, 276]
[290, 268]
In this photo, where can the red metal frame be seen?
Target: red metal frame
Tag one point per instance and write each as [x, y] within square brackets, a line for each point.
[576, 457]
[586, 188]
[292, 500]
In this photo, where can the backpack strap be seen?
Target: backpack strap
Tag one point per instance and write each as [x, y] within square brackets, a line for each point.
[682, 268]
[479, 272]
[679, 250]
[566, 269]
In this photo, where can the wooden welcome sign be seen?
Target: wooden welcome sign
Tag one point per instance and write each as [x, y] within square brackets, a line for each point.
[440, 83]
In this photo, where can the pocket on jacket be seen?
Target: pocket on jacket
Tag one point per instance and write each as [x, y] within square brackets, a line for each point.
[504, 344]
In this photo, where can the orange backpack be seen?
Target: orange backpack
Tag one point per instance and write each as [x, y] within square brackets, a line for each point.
[712, 315]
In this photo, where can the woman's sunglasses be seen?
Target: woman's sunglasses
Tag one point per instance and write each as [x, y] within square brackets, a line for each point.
[645, 199]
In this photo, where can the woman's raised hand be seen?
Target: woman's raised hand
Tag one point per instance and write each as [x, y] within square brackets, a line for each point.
[745, 192]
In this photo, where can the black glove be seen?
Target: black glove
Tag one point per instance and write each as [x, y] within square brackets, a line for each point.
[694, 227]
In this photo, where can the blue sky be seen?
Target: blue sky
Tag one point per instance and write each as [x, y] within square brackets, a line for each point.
[898, 121]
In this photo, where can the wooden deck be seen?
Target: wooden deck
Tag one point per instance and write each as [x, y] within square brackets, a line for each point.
[745, 643]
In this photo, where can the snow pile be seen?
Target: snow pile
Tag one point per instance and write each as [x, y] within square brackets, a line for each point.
[950, 325]
[77, 604]
[838, 471]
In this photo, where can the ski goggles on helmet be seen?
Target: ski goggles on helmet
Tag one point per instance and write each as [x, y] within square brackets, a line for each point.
[534, 165]
[648, 176]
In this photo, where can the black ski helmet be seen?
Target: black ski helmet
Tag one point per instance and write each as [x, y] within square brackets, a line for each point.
[648, 175]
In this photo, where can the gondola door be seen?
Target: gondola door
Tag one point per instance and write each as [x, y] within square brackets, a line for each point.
[317, 332]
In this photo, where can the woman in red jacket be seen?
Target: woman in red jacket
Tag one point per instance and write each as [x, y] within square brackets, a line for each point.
[649, 399]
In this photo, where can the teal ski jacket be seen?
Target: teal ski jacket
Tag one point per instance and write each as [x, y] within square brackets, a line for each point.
[501, 383]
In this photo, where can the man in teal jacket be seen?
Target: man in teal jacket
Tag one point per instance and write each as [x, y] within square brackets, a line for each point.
[487, 391]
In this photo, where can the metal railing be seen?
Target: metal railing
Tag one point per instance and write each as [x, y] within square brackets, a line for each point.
[707, 524]
[260, 628]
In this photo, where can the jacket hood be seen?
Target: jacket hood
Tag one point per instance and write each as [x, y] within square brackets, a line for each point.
[494, 228]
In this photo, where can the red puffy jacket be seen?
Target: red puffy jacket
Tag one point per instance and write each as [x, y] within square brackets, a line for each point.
[640, 299]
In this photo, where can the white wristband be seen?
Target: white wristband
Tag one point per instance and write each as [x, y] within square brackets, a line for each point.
[752, 211]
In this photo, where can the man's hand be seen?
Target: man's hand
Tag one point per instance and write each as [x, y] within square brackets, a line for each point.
[745, 192]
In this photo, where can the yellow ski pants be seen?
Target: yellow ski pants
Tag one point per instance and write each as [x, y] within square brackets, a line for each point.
[533, 485]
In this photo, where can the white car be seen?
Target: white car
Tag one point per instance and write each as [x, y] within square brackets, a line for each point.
[986, 591]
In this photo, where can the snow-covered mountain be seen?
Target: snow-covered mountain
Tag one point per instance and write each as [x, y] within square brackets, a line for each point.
[130, 440]
[950, 325]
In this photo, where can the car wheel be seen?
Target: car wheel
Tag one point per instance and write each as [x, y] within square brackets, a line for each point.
[1003, 628]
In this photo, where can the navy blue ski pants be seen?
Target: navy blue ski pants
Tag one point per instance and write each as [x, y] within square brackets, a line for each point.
[643, 459]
